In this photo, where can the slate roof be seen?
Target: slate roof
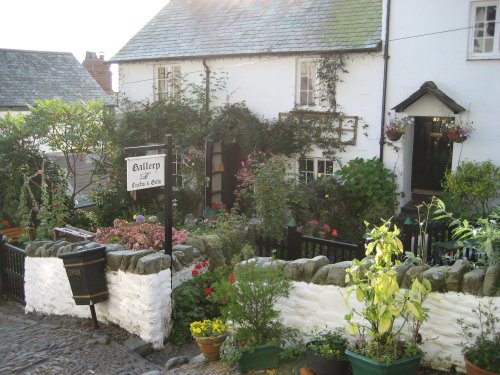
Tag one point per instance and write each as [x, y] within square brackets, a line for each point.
[29, 75]
[430, 88]
[209, 28]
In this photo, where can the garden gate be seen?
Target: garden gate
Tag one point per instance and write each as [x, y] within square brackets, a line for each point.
[12, 271]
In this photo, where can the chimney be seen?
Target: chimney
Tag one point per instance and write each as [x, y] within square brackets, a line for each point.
[98, 69]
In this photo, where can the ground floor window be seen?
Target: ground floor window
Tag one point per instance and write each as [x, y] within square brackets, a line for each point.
[312, 168]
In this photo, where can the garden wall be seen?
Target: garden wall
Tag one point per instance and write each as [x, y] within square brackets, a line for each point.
[139, 285]
[315, 305]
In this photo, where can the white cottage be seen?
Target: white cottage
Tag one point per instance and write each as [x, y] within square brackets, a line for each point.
[440, 63]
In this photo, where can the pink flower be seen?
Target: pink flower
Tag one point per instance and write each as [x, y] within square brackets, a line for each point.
[199, 266]
[194, 272]
[327, 228]
[322, 234]
[334, 233]
[313, 223]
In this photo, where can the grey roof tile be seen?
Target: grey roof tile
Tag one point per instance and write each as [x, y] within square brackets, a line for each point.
[202, 28]
[29, 75]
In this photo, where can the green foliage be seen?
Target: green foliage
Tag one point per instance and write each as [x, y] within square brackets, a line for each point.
[18, 156]
[482, 340]
[250, 303]
[76, 129]
[329, 344]
[383, 301]
[192, 302]
[367, 183]
[475, 185]
[483, 233]
[271, 194]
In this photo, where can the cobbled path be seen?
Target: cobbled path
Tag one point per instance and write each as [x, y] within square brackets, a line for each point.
[35, 344]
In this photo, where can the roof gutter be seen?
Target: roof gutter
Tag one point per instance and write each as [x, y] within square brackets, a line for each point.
[384, 88]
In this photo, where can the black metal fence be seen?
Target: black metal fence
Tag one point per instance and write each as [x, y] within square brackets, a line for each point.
[12, 271]
[297, 245]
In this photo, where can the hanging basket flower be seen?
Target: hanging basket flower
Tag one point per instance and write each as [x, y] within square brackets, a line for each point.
[396, 127]
[459, 131]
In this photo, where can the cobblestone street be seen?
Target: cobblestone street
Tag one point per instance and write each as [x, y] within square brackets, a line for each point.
[36, 344]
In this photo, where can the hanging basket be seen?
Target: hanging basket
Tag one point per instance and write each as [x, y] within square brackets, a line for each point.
[456, 138]
[393, 135]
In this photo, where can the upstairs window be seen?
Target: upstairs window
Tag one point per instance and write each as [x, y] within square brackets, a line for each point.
[168, 82]
[484, 33]
[310, 90]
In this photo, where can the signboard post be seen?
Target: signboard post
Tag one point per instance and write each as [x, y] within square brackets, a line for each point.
[144, 172]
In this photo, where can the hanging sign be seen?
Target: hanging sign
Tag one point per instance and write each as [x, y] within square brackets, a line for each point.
[144, 172]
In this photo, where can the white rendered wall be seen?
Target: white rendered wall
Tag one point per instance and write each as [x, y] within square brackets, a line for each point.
[140, 304]
[443, 59]
[314, 307]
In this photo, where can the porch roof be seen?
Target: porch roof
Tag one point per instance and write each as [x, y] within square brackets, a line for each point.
[430, 87]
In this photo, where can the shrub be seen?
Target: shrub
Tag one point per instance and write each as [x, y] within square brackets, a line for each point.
[476, 185]
[368, 184]
[137, 236]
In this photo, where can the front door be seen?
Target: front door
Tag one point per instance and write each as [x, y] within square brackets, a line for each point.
[431, 153]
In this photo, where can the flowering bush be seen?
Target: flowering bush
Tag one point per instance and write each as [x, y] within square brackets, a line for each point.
[208, 328]
[397, 124]
[322, 230]
[135, 236]
[459, 129]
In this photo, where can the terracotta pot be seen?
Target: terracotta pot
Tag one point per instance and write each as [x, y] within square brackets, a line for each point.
[393, 135]
[474, 370]
[210, 346]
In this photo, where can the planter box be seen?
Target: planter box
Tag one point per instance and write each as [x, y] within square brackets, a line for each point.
[262, 358]
[364, 366]
[324, 366]
[13, 233]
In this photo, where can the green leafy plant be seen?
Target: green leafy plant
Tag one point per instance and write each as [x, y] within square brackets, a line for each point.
[482, 340]
[250, 296]
[476, 185]
[383, 301]
[368, 182]
[329, 344]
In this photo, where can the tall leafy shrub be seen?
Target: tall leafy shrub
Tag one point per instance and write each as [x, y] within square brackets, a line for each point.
[474, 184]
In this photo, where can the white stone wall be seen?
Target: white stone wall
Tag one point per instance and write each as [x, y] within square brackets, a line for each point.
[314, 307]
[141, 304]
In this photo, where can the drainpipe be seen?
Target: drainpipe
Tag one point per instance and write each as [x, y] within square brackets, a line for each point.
[384, 88]
[208, 144]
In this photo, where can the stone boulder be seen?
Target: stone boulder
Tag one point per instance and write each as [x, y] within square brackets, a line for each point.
[336, 274]
[454, 278]
[153, 263]
[473, 281]
[491, 285]
[187, 250]
[313, 265]
[437, 278]
[401, 270]
[198, 243]
[295, 269]
[413, 273]
[321, 274]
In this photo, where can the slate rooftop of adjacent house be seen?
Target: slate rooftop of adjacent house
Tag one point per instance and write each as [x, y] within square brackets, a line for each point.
[208, 28]
[29, 75]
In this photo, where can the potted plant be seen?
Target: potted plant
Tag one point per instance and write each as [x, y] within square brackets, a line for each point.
[209, 335]
[396, 127]
[458, 131]
[325, 353]
[248, 299]
[381, 347]
[481, 348]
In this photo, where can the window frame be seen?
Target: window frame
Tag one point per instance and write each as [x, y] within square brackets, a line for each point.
[306, 175]
[495, 54]
[318, 101]
[167, 85]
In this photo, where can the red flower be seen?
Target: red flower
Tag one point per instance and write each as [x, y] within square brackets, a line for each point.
[207, 291]
[232, 279]
[335, 233]
[313, 223]
[194, 272]
[199, 266]
[205, 264]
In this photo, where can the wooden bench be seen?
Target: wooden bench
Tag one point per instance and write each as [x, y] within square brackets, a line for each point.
[12, 234]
